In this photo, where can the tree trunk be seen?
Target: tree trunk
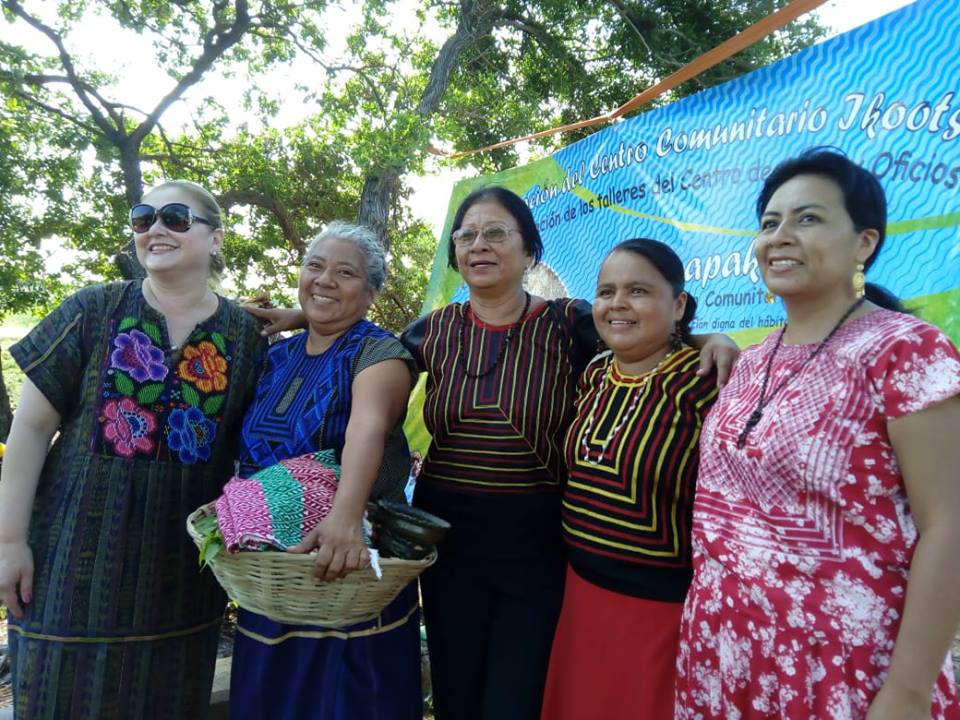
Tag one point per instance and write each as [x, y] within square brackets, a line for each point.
[126, 259]
[379, 189]
[381, 185]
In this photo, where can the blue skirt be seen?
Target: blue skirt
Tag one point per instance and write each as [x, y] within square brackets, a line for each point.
[367, 671]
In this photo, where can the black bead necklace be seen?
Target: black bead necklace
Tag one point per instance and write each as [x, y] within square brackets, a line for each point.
[763, 401]
[503, 346]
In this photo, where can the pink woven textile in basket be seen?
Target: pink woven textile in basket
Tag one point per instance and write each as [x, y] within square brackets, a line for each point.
[275, 507]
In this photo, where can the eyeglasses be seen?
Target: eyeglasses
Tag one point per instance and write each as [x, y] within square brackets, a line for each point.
[177, 217]
[493, 234]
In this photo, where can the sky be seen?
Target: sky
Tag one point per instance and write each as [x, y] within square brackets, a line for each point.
[142, 84]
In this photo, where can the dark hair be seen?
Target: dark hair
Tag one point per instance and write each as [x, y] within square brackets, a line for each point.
[665, 260]
[513, 204]
[863, 198]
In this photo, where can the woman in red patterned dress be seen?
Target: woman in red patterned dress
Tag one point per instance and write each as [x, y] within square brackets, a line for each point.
[826, 574]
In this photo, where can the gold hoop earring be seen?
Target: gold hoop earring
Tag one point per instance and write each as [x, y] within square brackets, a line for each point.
[859, 282]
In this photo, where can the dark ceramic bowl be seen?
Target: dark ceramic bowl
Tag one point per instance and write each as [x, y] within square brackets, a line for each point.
[409, 523]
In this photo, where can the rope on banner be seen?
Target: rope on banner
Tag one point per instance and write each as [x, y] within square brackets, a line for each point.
[742, 40]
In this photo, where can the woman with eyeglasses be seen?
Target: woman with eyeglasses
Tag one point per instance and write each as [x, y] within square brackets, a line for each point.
[502, 371]
[141, 386]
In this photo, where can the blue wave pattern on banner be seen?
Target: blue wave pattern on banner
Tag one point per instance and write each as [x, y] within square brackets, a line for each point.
[887, 93]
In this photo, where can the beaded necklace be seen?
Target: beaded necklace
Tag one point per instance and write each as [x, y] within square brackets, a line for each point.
[624, 417]
[503, 347]
[762, 402]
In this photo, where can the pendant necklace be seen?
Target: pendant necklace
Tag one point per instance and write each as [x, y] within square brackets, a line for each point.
[624, 417]
[764, 400]
[503, 346]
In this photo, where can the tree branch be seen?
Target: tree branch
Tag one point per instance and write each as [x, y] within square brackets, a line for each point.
[78, 85]
[215, 44]
[27, 97]
[249, 197]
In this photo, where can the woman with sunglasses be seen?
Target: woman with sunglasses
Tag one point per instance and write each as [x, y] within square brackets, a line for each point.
[144, 385]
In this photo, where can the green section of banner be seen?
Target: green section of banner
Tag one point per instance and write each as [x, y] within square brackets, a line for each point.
[942, 310]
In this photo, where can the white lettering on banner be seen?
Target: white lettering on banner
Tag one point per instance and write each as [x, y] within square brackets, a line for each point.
[703, 269]
[757, 125]
[878, 114]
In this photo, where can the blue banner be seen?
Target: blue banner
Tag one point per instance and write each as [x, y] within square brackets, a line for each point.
[886, 93]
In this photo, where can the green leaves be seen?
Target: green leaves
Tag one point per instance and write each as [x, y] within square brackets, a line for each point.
[149, 394]
[212, 405]
[211, 540]
[152, 331]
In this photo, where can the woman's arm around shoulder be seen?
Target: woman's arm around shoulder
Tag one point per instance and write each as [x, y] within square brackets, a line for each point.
[717, 352]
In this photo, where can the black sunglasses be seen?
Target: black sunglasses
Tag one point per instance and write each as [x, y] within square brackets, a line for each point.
[177, 217]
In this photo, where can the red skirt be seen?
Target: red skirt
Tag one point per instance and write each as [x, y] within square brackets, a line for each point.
[614, 656]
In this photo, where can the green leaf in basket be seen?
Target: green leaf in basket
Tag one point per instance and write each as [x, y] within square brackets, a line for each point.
[210, 547]
[206, 525]
[123, 383]
[190, 395]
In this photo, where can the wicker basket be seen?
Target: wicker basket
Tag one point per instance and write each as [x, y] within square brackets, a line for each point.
[281, 586]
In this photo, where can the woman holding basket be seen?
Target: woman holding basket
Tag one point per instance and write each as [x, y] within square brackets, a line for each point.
[343, 386]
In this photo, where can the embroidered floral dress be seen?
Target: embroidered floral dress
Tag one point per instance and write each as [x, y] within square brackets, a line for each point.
[803, 538]
[123, 624]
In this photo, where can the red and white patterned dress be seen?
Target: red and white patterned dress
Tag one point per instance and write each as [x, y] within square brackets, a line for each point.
[802, 540]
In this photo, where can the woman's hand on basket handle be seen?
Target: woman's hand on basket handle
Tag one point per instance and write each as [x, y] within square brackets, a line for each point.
[339, 545]
[34, 424]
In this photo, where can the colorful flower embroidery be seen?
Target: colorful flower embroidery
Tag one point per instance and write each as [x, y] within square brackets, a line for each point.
[191, 435]
[128, 427]
[204, 366]
[137, 355]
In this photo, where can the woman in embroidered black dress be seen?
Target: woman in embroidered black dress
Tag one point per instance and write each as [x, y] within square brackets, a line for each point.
[146, 384]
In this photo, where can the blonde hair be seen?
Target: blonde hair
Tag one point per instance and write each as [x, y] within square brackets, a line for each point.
[209, 209]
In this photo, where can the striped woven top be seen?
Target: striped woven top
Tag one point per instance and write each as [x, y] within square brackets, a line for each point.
[502, 431]
[628, 501]
[495, 466]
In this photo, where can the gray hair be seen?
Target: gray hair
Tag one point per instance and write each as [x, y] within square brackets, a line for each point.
[366, 242]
